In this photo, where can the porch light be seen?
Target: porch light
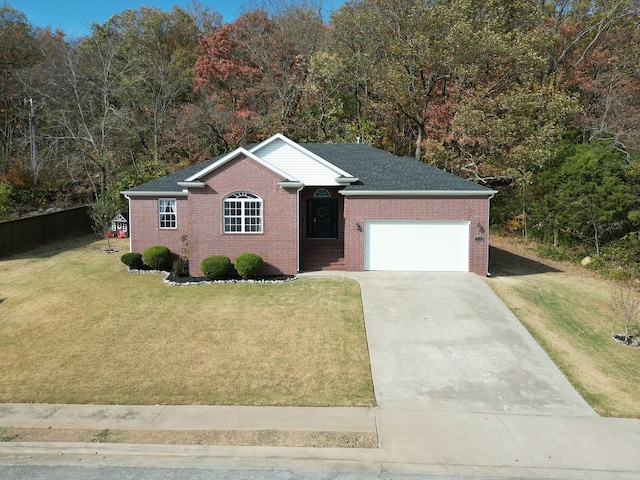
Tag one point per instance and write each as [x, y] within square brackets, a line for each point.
[358, 227]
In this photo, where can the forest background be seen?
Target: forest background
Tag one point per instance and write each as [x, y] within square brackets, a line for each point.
[538, 99]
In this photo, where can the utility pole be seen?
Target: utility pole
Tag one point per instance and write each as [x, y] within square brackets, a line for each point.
[32, 143]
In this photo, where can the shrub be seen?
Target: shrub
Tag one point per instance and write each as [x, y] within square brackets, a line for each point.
[247, 264]
[158, 258]
[180, 268]
[215, 267]
[132, 260]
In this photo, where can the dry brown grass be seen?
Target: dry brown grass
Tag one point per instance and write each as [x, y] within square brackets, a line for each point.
[568, 310]
[76, 327]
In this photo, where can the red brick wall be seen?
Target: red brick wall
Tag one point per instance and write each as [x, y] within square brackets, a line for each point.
[360, 209]
[276, 245]
[200, 218]
[143, 224]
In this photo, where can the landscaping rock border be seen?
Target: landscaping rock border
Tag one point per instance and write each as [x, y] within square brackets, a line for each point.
[172, 280]
[188, 281]
[633, 340]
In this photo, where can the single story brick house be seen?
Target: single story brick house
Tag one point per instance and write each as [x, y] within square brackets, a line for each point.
[305, 207]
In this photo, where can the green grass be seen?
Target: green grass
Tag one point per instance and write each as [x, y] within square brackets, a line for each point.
[6, 437]
[76, 327]
[570, 316]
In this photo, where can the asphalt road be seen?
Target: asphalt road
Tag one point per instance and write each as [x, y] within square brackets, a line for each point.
[44, 472]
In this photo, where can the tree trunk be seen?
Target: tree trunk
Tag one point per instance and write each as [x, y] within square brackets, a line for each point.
[419, 145]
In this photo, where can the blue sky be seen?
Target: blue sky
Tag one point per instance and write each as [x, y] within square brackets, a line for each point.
[76, 16]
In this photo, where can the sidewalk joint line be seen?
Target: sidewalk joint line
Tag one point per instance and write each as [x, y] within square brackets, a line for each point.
[159, 413]
[57, 408]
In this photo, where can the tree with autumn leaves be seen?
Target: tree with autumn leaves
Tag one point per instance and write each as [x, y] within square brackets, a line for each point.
[491, 90]
[255, 71]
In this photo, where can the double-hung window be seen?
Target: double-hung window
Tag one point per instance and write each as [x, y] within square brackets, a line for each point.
[242, 213]
[167, 217]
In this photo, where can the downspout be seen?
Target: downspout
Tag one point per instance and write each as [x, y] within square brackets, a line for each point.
[129, 227]
[298, 228]
[487, 236]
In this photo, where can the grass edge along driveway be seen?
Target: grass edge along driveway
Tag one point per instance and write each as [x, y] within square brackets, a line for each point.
[566, 308]
[76, 327]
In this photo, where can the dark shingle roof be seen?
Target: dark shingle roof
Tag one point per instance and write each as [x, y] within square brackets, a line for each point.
[376, 170]
[380, 170]
[169, 183]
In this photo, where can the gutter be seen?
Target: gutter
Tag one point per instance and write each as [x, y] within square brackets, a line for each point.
[298, 226]
[298, 186]
[192, 184]
[486, 268]
[419, 193]
[134, 193]
[130, 222]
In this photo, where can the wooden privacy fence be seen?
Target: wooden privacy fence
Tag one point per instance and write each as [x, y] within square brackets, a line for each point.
[21, 235]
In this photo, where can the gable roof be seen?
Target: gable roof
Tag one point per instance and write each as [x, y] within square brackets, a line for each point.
[230, 156]
[299, 162]
[121, 217]
[365, 170]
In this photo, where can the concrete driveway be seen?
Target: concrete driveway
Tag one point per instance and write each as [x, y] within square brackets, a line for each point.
[446, 342]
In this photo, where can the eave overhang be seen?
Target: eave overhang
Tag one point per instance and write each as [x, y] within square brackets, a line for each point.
[291, 184]
[346, 180]
[136, 193]
[418, 193]
[192, 184]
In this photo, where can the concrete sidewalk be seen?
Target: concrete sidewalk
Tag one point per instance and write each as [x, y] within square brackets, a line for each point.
[411, 441]
[437, 413]
[192, 417]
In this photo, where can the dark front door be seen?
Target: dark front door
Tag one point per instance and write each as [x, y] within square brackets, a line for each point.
[322, 218]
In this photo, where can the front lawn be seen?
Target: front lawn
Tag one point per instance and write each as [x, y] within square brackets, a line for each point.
[76, 327]
[568, 311]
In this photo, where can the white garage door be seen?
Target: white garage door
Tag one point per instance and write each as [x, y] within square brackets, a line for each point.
[417, 246]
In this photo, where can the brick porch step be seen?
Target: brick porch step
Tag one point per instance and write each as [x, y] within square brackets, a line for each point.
[334, 266]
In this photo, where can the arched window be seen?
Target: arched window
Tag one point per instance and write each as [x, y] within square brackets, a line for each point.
[242, 213]
[322, 193]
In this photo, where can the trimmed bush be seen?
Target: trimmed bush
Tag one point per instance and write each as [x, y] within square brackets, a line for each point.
[132, 260]
[157, 258]
[215, 267]
[248, 264]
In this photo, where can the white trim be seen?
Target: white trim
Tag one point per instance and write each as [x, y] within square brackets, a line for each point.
[192, 184]
[161, 213]
[346, 180]
[320, 193]
[301, 149]
[408, 245]
[298, 227]
[130, 193]
[290, 184]
[233, 155]
[418, 193]
[243, 197]
[486, 238]
[130, 219]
